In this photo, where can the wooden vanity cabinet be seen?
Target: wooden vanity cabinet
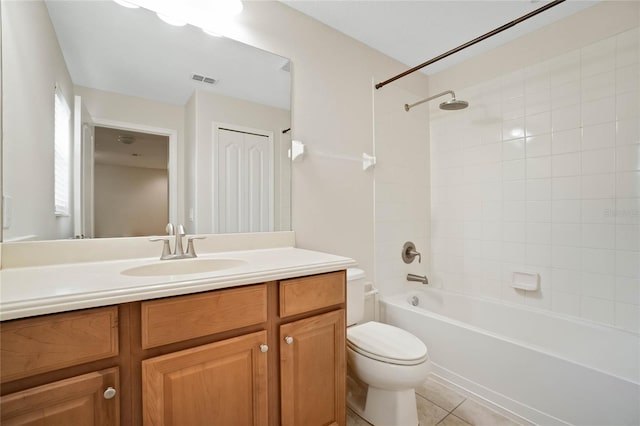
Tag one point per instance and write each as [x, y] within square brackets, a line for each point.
[313, 370]
[313, 350]
[53, 371]
[223, 382]
[256, 355]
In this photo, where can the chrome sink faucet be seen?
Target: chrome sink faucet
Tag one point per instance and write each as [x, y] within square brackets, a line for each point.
[178, 252]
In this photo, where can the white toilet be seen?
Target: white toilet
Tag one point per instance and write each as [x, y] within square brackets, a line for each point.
[390, 361]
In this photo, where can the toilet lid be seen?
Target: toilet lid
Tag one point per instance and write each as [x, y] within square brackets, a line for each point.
[386, 343]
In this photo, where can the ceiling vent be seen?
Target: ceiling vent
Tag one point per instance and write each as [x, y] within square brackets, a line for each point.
[203, 79]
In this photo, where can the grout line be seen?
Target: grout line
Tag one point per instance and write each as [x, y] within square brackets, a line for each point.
[358, 416]
[454, 408]
[439, 406]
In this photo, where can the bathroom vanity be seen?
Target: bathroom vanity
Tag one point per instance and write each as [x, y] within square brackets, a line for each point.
[258, 344]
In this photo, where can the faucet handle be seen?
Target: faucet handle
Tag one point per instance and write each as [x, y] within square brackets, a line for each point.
[191, 251]
[170, 229]
[409, 253]
[166, 248]
[181, 230]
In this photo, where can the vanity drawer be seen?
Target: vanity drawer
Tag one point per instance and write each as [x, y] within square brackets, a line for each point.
[181, 318]
[36, 345]
[299, 295]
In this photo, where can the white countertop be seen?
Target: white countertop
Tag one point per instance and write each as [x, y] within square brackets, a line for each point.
[31, 291]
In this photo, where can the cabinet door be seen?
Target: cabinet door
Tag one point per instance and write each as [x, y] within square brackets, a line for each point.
[313, 370]
[80, 400]
[222, 383]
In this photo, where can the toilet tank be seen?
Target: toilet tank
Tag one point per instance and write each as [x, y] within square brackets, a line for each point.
[355, 295]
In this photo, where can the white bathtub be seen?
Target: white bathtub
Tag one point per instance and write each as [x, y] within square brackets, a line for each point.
[546, 368]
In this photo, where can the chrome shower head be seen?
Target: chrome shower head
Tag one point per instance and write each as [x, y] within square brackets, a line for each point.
[454, 104]
[450, 105]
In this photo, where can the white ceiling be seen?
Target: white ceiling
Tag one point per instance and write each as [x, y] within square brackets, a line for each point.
[415, 31]
[131, 51]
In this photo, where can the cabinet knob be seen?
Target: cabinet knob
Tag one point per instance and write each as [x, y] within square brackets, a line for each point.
[264, 348]
[109, 393]
[288, 340]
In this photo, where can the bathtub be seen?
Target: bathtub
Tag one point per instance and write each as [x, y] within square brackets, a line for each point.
[546, 368]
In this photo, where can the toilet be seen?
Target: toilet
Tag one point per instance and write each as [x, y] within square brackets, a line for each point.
[389, 361]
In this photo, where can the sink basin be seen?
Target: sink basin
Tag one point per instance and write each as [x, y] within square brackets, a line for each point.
[182, 267]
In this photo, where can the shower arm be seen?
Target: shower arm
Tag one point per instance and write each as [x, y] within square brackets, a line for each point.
[407, 107]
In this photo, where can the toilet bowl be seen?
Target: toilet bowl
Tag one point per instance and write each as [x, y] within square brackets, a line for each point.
[389, 361]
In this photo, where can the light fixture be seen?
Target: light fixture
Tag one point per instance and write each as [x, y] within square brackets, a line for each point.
[127, 4]
[126, 139]
[171, 20]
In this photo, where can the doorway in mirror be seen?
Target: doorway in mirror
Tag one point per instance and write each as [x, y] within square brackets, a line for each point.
[131, 183]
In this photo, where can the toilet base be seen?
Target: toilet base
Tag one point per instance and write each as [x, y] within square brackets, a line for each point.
[386, 407]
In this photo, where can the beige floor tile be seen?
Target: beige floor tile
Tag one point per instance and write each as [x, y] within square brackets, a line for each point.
[440, 395]
[478, 415]
[354, 420]
[429, 414]
[452, 420]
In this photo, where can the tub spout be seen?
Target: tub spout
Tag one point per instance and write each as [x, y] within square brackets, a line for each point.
[418, 278]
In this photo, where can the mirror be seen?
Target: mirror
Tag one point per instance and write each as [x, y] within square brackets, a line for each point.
[77, 75]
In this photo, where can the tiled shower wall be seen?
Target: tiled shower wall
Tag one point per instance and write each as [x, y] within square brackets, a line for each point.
[542, 174]
[401, 187]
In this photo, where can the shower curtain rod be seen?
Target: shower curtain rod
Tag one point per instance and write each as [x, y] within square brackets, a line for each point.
[472, 42]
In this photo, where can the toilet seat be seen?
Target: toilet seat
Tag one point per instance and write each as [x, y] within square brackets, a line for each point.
[386, 343]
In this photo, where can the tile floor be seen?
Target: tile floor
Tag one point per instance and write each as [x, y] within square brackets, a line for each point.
[441, 406]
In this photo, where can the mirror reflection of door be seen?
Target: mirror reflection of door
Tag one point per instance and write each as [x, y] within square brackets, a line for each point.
[243, 201]
[131, 183]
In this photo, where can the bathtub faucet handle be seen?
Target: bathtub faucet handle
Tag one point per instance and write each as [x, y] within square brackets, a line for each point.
[409, 253]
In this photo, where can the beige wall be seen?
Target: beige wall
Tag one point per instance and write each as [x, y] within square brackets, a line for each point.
[332, 113]
[130, 201]
[28, 124]
[189, 154]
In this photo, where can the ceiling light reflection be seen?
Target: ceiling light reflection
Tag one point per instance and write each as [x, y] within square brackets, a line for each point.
[517, 132]
[212, 33]
[171, 20]
[127, 4]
